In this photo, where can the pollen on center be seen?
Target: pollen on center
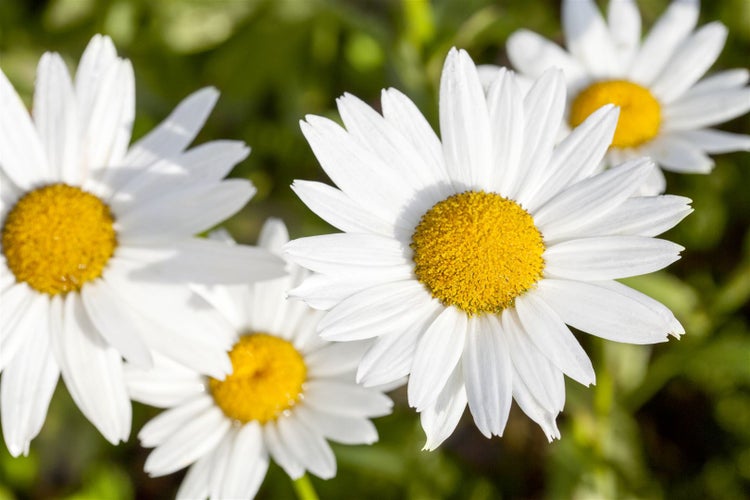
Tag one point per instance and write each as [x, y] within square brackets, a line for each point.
[266, 379]
[477, 251]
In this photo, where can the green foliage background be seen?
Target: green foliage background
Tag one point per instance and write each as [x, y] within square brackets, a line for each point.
[668, 421]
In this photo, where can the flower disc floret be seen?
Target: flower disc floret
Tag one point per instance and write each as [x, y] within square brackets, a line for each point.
[266, 379]
[57, 238]
[640, 112]
[477, 251]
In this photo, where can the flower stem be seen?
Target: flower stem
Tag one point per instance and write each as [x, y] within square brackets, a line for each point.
[304, 488]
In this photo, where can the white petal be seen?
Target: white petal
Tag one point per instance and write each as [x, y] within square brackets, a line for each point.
[21, 152]
[27, 312]
[334, 359]
[310, 449]
[624, 23]
[27, 386]
[676, 154]
[56, 118]
[438, 352]
[536, 372]
[464, 123]
[99, 56]
[716, 141]
[336, 252]
[184, 213]
[532, 55]
[165, 385]
[587, 37]
[531, 407]
[605, 311]
[553, 338]
[342, 429]
[376, 311]
[157, 430]
[608, 257]
[640, 216]
[273, 235]
[176, 132]
[488, 375]
[689, 62]
[505, 103]
[92, 371]
[339, 210]
[281, 451]
[722, 80]
[578, 156]
[590, 199]
[321, 291]
[440, 418]
[543, 110]
[246, 465]
[188, 443]
[195, 483]
[706, 109]
[345, 399]
[661, 42]
[115, 322]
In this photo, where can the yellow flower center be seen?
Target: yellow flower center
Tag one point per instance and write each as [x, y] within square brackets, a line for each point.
[57, 238]
[267, 377]
[477, 251]
[640, 112]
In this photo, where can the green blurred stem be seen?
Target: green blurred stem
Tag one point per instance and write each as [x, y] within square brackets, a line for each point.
[304, 488]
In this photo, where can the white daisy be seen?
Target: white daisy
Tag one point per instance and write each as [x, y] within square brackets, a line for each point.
[666, 109]
[97, 242]
[465, 259]
[289, 392]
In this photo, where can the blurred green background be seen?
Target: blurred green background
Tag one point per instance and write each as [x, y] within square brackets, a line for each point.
[669, 421]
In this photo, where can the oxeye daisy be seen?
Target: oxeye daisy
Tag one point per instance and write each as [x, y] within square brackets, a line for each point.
[288, 392]
[97, 242]
[667, 108]
[464, 258]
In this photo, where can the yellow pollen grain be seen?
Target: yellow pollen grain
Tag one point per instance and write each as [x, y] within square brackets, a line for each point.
[57, 238]
[477, 251]
[267, 377]
[640, 112]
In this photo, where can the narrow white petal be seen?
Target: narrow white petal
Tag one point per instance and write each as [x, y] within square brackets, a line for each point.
[21, 152]
[281, 451]
[342, 429]
[440, 418]
[689, 62]
[166, 384]
[99, 56]
[195, 483]
[115, 322]
[532, 55]
[56, 118]
[590, 199]
[188, 443]
[716, 141]
[624, 23]
[27, 386]
[247, 463]
[376, 311]
[23, 313]
[345, 399]
[608, 257]
[553, 338]
[578, 156]
[176, 132]
[587, 37]
[334, 359]
[321, 291]
[438, 353]
[160, 428]
[310, 449]
[220, 463]
[606, 312]
[721, 80]
[273, 235]
[92, 371]
[339, 210]
[661, 42]
[706, 109]
[640, 216]
[505, 103]
[487, 371]
[530, 405]
[464, 123]
[677, 154]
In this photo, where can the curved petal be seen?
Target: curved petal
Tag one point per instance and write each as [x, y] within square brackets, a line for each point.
[505, 103]
[721, 80]
[282, 451]
[346, 399]
[440, 418]
[706, 109]
[640, 216]
[716, 141]
[339, 428]
[246, 465]
[532, 55]
[310, 449]
[588, 38]
[676, 154]
[624, 24]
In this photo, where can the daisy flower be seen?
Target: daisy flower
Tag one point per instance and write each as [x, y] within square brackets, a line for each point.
[289, 391]
[666, 108]
[97, 242]
[465, 258]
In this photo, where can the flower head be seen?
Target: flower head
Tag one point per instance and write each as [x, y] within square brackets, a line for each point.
[288, 392]
[97, 245]
[464, 258]
[667, 107]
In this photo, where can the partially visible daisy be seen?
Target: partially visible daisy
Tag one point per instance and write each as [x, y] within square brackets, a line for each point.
[97, 242]
[465, 258]
[289, 391]
[666, 109]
